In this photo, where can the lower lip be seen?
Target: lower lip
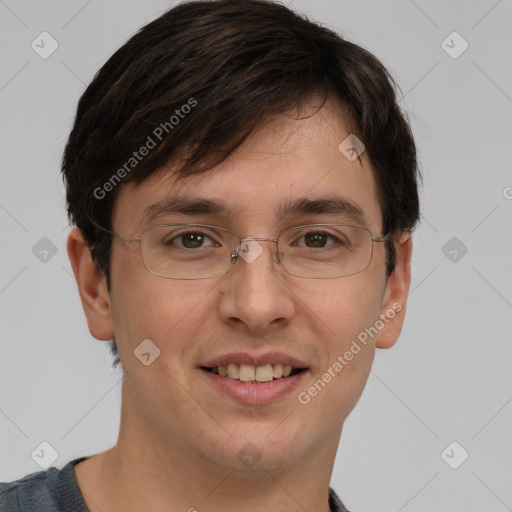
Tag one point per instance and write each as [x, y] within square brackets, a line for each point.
[256, 394]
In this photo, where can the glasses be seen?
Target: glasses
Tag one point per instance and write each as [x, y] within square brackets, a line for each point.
[201, 251]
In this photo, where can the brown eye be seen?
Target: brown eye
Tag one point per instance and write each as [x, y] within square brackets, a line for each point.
[192, 240]
[316, 239]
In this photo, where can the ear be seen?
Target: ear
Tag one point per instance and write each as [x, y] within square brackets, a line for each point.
[395, 294]
[92, 287]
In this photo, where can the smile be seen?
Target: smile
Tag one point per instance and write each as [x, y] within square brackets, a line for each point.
[254, 374]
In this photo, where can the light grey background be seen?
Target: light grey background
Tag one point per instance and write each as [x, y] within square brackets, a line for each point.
[448, 378]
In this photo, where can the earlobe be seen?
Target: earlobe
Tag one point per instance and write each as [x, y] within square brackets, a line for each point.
[91, 287]
[395, 295]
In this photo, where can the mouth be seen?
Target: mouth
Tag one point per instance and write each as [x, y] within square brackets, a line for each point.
[251, 379]
[254, 374]
[254, 379]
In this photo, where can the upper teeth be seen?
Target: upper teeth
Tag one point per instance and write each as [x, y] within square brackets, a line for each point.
[248, 373]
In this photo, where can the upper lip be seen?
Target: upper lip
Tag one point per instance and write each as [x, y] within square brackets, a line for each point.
[254, 360]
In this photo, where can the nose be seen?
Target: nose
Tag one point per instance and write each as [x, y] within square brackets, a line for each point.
[255, 294]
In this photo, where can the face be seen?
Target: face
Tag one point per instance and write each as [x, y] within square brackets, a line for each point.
[257, 314]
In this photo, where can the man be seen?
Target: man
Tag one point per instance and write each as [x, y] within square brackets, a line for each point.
[243, 186]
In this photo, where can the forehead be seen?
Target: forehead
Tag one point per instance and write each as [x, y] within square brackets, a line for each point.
[288, 168]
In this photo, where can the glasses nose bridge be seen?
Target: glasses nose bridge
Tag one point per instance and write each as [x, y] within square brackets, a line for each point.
[240, 248]
[259, 239]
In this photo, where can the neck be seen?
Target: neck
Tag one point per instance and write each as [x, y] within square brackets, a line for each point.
[152, 472]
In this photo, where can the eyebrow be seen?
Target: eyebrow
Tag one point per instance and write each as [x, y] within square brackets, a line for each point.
[329, 205]
[188, 206]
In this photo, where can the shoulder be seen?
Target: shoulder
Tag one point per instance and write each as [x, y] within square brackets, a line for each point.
[25, 493]
[44, 491]
[335, 503]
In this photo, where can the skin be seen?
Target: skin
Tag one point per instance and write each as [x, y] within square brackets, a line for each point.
[179, 437]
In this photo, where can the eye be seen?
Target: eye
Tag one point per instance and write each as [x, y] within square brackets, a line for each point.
[318, 239]
[192, 240]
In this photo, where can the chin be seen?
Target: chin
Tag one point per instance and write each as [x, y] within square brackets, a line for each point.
[254, 450]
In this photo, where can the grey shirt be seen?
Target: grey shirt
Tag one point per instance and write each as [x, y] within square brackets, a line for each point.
[57, 490]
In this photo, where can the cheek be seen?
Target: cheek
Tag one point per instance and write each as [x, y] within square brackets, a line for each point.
[165, 311]
[343, 307]
[343, 311]
[170, 315]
